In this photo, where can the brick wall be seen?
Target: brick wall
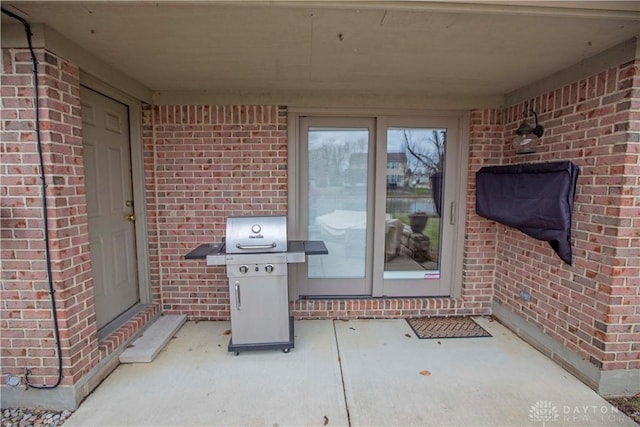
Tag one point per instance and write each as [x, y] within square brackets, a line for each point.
[26, 326]
[593, 306]
[26, 323]
[203, 164]
[480, 236]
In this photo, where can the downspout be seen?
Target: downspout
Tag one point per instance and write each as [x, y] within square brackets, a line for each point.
[45, 217]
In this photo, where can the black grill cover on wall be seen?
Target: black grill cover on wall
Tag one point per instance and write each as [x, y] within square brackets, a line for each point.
[536, 199]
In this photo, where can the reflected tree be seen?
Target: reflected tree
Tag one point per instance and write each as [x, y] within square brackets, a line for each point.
[332, 157]
[426, 151]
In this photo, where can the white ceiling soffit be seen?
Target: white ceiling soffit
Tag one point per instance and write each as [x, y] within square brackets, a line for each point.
[422, 49]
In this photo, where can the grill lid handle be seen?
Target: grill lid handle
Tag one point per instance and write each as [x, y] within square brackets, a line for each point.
[271, 246]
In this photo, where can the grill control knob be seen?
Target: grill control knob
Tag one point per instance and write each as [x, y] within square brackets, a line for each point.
[244, 269]
[269, 268]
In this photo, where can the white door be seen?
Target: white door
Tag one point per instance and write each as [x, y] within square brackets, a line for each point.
[107, 168]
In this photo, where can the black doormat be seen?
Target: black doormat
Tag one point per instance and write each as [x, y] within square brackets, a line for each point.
[446, 327]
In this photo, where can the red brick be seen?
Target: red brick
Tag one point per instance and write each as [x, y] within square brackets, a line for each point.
[600, 256]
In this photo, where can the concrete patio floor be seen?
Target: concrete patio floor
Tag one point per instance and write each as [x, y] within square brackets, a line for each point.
[341, 373]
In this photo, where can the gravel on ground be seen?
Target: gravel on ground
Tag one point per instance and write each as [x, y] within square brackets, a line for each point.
[629, 406]
[19, 417]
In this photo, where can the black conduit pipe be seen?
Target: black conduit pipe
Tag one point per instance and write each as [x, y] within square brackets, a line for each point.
[45, 217]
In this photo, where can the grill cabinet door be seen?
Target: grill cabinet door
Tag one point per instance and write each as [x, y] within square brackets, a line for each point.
[260, 307]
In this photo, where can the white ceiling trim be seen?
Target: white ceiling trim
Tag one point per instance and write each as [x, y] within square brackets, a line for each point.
[586, 9]
[330, 99]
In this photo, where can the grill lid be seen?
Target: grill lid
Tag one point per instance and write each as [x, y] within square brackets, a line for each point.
[256, 234]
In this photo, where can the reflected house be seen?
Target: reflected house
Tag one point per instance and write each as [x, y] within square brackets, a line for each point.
[396, 170]
[356, 173]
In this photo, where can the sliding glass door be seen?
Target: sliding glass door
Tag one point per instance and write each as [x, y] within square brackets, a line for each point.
[415, 207]
[382, 193]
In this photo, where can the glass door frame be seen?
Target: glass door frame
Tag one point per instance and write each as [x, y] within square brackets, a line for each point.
[456, 121]
[337, 287]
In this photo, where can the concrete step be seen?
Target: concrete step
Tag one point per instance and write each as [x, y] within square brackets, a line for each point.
[153, 339]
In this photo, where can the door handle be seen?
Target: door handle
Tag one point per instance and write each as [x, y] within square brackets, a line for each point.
[131, 217]
[270, 246]
[452, 215]
[237, 295]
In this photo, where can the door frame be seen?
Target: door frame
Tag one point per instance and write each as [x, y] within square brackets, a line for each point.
[452, 237]
[295, 222]
[137, 177]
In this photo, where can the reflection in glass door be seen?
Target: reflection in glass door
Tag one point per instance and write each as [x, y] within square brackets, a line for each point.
[384, 194]
[414, 175]
[338, 204]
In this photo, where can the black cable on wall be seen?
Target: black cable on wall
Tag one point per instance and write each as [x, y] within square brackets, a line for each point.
[45, 217]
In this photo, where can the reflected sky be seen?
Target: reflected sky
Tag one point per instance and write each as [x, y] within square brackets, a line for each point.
[319, 137]
[396, 141]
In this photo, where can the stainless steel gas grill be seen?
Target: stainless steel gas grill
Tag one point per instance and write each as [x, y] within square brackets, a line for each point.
[256, 253]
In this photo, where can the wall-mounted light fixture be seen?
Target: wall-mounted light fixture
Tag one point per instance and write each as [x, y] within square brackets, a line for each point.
[528, 136]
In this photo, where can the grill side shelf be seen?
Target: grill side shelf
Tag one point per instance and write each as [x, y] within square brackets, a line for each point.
[309, 247]
[202, 251]
[315, 247]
